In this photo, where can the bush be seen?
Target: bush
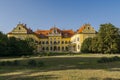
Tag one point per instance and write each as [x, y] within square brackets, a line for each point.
[6, 63]
[2, 63]
[52, 53]
[40, 64]
[106, 60]
[16, 62]
[103, 60]
[9, 63]
[116, 58]
[32, 63]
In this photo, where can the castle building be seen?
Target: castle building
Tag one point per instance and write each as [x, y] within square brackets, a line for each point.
[54, 39]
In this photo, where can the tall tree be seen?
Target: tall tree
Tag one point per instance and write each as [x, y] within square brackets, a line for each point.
[32, 43]
[14, 47]
[94, 45]
[108, 38]
[3, 43]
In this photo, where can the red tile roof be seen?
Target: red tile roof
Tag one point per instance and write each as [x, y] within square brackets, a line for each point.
[67, 33]
[64, 33]
[42, 33]
[80, 30]
[45, 33]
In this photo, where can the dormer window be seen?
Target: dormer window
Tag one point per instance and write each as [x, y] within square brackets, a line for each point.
[88, 27]
[54, 31]
[19, 28]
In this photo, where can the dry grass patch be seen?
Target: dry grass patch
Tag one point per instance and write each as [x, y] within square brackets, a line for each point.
[68, 67]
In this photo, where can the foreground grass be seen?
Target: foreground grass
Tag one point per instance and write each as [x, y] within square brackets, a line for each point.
[68, 67]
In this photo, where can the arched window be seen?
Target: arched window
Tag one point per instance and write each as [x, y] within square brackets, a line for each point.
[43, 48]
[62, 42]
[50, 42]
[66, 48]
[47, 48]
[55, 48]
[62, 48]
[88, 27]
[55, 42]
[40, 42]
[36, 41]
[69, 42]
[43, 42]
[65, 42]
[58, 42]
[78, 39]
[46, 42]
[58, 48]
[51, 48]
[78, 46]
[19, 28]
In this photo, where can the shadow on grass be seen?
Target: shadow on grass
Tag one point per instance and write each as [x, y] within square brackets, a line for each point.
[56, 64]
[64, 63]
[26, 77]
[96, 78]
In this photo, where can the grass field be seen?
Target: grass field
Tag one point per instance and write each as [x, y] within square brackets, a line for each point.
[67, 67]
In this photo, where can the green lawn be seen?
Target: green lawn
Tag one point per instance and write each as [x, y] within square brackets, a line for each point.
[67, 67]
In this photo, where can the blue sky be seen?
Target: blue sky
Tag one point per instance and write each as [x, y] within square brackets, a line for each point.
[65, 14]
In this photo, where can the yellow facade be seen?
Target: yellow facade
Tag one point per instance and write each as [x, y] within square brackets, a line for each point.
[84, 32]
[54, 40]
[54, 44]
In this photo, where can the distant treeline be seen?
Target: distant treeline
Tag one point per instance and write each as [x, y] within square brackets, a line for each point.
[107, 40]
[14, 47]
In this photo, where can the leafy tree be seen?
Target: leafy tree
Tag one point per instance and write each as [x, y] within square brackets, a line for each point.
[3, 43]
[86, 45]
[32, 43]
[14, 47]
[108, 39]
[94, 45]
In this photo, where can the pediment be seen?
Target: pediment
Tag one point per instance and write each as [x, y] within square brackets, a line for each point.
[20, 28]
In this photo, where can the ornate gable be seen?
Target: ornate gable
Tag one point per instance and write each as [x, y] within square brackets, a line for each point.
[21, 29]
[86, 28]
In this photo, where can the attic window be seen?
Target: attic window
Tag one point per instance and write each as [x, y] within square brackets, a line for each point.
[88, 28]
[19, 28]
